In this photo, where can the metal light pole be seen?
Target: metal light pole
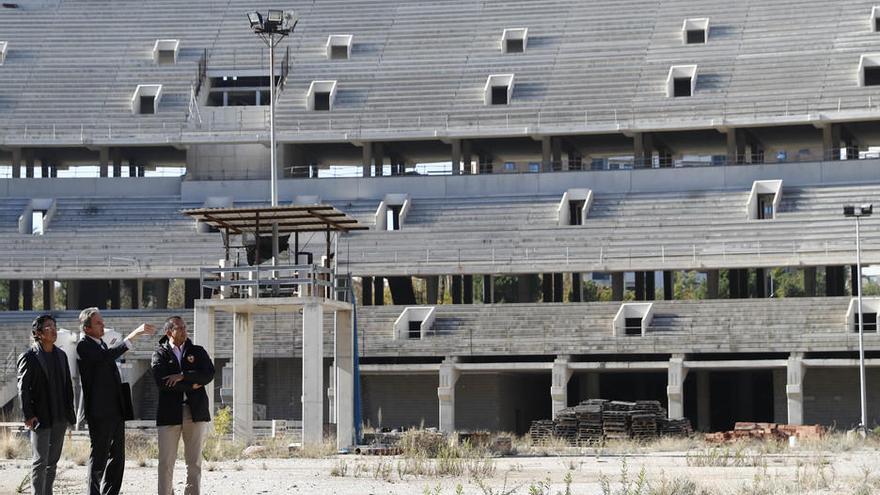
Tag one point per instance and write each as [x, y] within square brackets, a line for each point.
[858, 212]
[276, 26]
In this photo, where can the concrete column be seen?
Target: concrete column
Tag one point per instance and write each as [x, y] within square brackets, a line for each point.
[27, 295]
[344, 389]
[853, 280]
[467, 286]
[432, 287]
[760, 283]
[466, 157]
[115, 294]
[640, 286]
[14, 294]
[831, 142]
[103, 161]
[48, 295]
[117, 165]
[44, 167]
[366, 291]
[712, 277]
[558, 287]
[488, 289]
[704, 401]
[810, 281]
[546, 154]
[313, 374]
[559, 385]
[592, 386]
[617, 286]
[446, 393]
[556, 152]
[203, 335]
[794, 388]
[577, 288]
[379, 159]
[456, 156]
[160, 291]
[547, 287]
[16, 163]
[29, 164]
[243, 377]
[379, 291]
[668, 285]
[72, 301]
[455, 289]
[675, 386]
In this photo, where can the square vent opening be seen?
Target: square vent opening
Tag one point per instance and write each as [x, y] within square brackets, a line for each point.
[514, 40]
[321, 96]
[339, 46]
[869, 69]
[681, 81]
[695, 31]
[498, 89]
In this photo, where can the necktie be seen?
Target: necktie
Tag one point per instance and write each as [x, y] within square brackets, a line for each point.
[103, 345]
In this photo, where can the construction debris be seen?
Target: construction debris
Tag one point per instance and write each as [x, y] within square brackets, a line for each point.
[765, 431]
[593, 421]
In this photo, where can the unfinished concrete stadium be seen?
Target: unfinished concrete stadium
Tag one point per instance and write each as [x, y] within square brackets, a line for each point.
[624, 200]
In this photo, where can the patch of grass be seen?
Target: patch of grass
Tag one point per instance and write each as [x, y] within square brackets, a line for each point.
[14, 445]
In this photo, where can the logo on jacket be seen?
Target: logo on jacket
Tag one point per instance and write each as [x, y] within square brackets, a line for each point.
[191, 359]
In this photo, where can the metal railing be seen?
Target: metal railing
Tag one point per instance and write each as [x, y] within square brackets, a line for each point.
[246, 282]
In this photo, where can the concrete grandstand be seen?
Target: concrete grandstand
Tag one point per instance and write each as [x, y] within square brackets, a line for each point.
[616, 199]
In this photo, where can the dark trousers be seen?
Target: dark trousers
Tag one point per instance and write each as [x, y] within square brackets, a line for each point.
[107, 459]
[46, 444]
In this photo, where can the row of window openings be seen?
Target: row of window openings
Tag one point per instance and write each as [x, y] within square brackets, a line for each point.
[633, 326]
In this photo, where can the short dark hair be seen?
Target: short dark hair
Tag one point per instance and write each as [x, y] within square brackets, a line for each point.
[39, 322]
[169, 323]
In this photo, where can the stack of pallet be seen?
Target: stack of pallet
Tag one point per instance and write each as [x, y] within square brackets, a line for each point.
[541, 430]
[764, 432]
[643, 419]
[615, 420]
[589, 415]
[566, 426]
[677, 427]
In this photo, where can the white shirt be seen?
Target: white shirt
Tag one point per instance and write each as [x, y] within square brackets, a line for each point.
[178, 353]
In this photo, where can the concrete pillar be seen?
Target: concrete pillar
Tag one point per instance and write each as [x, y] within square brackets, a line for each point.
[556, 152]
[103, 161]
[344, 388]
[704, 401]
[489, 289]
[559, 385]
[456, 156]
[810, 281]
[115, 294]
[243, 377]
[675, 386]
[366, 291]
[712, 277]
[455, 289]
[831, 142]
[379, 291]
[558, 284]
[834, 281]
[640, 285]
[27, 295]
[853, 280]
[432, 287]
[446, 394]
[72, 301]
[617, 286]
[760, 283]
[379, 159]
[160, 291]
[592, 387]
[117, 165]
[466, 157]
[577, 288]
[547, 287]
[14, 294]
[467, 285]
[203, 335]
[546, 154]
[668, 285]
[48, 295]
[794, 388]
[16, 163]
[29, 164]
[313, 374]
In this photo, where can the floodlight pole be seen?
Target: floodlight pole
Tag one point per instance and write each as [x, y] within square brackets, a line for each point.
[862, 387]
[273, 183]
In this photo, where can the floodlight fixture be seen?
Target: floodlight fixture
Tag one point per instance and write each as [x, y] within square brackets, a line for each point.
[256, 20]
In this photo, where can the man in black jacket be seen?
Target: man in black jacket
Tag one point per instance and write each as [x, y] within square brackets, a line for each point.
[181, 370]
[102, 402]
[46, 394]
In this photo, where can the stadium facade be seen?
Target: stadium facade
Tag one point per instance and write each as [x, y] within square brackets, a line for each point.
[567, 200]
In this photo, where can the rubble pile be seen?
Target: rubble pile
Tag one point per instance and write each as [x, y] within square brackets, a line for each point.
[764, 432]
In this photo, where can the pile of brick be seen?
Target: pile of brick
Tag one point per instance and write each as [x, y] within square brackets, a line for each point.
[764, 432]
[594, 421]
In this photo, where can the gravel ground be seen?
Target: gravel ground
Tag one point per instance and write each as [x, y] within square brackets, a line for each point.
[853, 472]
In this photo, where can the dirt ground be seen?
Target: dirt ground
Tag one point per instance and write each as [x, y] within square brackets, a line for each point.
[714, 471]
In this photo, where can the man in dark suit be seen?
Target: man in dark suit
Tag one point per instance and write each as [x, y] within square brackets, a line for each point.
[46, 394]
[102, 402]
[181, 370]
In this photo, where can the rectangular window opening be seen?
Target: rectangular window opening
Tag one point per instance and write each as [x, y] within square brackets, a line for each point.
[870, 322]
[696, 36]
[148, 105]
[765, 206]
[392, 217]
[339, 52]
[415, 330]
[872, 76]
[499, 95]
[576, 208]
[37, 217]
[633, 326]
[681, 86]
[322, 101]
[515, 46]
[877, 24]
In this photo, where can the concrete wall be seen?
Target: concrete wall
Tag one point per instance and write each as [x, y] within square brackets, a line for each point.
[74, 187]
[416, 407]
[831, 397]
[601, 182]
[228, 162]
